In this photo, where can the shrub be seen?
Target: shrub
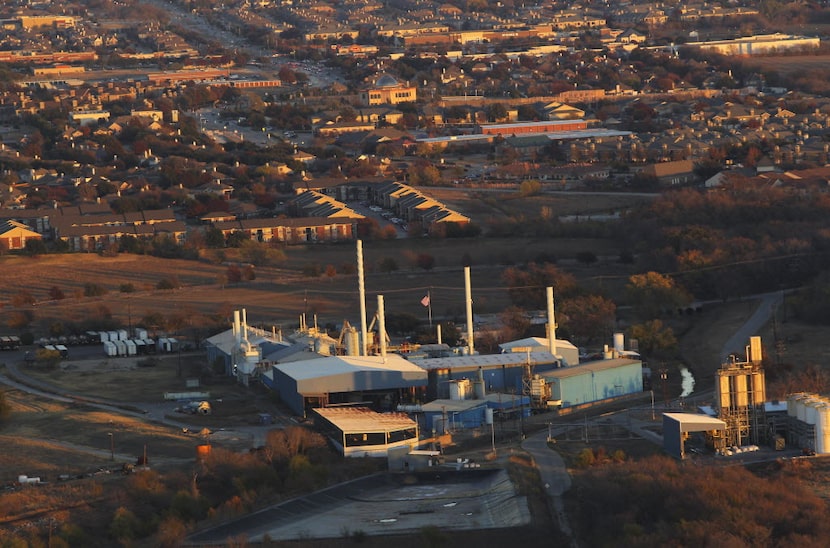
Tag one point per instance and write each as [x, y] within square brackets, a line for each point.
[94, 290]
[170, 282]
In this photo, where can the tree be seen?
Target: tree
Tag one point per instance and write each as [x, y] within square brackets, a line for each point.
[233, 274]
[588, 318]
[652, 294]
[425, 261]
[56, 294]
[654, 339]
[387, 265]
[526, 286]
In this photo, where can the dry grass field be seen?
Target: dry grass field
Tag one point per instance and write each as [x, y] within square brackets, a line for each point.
[795, 64]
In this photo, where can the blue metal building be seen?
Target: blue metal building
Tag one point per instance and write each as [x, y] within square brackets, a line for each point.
[595, 381]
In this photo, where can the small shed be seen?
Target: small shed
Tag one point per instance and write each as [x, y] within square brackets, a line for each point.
[677, 426]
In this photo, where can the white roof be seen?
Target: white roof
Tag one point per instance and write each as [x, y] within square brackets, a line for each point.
[363, 419]
[535, 341]
[226, 341]
[336, 365]
[485, 360]
[695, 422]
[452, 405]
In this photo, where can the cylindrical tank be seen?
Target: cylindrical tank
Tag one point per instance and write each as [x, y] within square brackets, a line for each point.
[619, 342]
[822, 410]
[459, 389]
[810, 414]
[800, 409]
[792, 403]
[488, 416]
[741, 396]
[759, 395]
[724, 399]
[352, 342]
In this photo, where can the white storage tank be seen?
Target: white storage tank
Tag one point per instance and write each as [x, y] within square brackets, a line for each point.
[741, 396]
[619, 342]
[822, 416]
[459, 389]
[810, 415]
[488, 416]
[800, 407]
[724, 400]
[352, 342]
[140, 333]
[792, 404]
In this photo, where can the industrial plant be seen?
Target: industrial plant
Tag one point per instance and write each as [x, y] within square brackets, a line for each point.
[742, 419]
[358, 388]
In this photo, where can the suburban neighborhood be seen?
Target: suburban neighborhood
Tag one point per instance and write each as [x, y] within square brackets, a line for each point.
[283, 273]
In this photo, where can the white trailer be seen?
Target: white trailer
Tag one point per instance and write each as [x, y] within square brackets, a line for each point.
[161, 344]
[140, 333]
[131, 348]
[121, 347]
[151, 346]
[140, 346]
[110, 349]
[63, 350]
[123, 335]
[113, 335]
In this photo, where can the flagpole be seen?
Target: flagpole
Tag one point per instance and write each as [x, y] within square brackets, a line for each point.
[429, 307]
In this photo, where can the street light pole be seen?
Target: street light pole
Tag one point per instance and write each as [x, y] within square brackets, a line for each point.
[112, 446]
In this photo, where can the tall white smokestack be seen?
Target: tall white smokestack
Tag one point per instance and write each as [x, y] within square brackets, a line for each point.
[438, 331]
[361, 290]
[382, 327]
[551, 323]
[245, 325]
[468, 296]
[236, 329]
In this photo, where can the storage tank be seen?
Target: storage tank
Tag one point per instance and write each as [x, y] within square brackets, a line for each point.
[741, 396]
[619, 342]
[810, 414]
[822, 416]
[459, 389]
[724, 400]
[352, 342]
[759, 395]
[800, 409]
[792, 404]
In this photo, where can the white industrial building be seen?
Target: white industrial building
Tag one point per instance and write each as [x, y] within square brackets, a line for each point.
[563, 349]
[379, 381]
[361, 432]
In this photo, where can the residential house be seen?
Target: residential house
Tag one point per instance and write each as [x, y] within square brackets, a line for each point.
[14, 235]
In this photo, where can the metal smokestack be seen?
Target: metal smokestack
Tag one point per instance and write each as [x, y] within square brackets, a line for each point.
[236, 330]
[382, 327]
[438, 331]
[551, 323]
[468, 296]
[361, 289]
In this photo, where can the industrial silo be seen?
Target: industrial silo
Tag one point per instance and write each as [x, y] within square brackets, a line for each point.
[758, 388]
[724, 399]
[823, 427]
[739, 390]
